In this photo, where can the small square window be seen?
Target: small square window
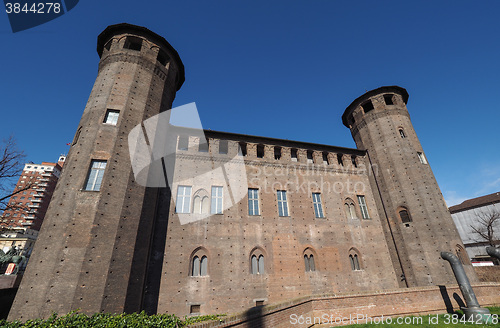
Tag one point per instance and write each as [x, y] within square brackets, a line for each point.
[111, 116]
[388, 99]
[367, 106]
[293, 154]
[203, 146]
[195, 308]
[133, 43]
[223, 147]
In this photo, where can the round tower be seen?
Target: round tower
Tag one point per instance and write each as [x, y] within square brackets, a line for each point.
[92, 251]
[418, 225]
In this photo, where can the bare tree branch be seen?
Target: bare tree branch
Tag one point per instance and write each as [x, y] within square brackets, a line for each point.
[487, 226]
[11, 166]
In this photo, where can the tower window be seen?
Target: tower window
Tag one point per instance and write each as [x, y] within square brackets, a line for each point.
[318, 208]
[340, 160]
[162, 57]
[133, 43]
[277, 153]
[388, 99]
[107, 46]
[111, 116]
[421, 157]
[195, 309]
[77, 136]
[183, 143]
[293, 154]
[353, 161]
[216, 200]
[309, 262]
[203, 146]
[402, 133]
[309, 156]
[404, 215]
[183, 203]
[253, 201]
[199, 267]
[242, 149]
[223, 146]
[367, 106]
[94, 178]
[354, 259]
[325, 158]
[260, 151]
[350, 210]
[282, 203]
[257, 264]
[363, 207]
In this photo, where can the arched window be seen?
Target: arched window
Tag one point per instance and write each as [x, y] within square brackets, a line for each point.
[350, 210]
[199, 263]
[257, 262]
[200, 202]
[309, 260]
[354, 259]
[404, 215]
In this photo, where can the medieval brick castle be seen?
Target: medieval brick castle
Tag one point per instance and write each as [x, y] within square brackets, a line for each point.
[312, 218]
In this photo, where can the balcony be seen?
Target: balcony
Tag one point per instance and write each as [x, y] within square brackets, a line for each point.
[42, 185]
[39, 189]
[47, 175]
[28, 223]
[34, 206]
[36, 200]
[38, 195]
[44, 180]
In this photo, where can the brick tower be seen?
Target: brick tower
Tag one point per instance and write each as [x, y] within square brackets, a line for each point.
[93, 247]
[417, 225]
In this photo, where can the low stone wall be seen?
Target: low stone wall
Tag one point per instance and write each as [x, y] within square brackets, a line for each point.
[339, 309]
[488, 273]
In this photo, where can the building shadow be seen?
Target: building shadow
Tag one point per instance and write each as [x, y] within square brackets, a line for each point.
[446, 299]
[254, 317]
[459, 300]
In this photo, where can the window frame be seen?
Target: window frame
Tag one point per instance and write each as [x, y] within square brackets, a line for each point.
[253, 202]
[318, 205]
[365, 214]
[282, 203]
[184, 196]
[111, 119]
[217, 200]
[97, 177]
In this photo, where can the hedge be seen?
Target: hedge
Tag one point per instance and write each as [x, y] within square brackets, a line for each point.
[133, 320]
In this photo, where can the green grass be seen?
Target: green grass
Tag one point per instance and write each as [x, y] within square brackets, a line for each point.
[103, 320]
[435, 321]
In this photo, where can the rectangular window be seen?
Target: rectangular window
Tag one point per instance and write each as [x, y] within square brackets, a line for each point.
[293, 154]
[111, 116]
[253, 201]
[216, 200]
[318, 208]
[421, 157]
[363, 207]
[183, 203]
[282, 203]
[203, 146]
[94, 178]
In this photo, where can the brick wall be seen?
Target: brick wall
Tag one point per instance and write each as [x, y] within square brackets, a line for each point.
[487, 274]
[395, 303]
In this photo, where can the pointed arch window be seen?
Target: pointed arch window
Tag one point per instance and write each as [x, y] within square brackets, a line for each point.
[257, 265]
[199, 263]
[309, 263]
[350, 210]
[354, 260]
[404, 215]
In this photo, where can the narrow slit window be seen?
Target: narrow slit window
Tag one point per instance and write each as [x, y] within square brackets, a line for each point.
[242, 149]
[405, 216]
[422, 158]
[363, 207]
[223, 146]
[111, 116]
[388, 99]
[325, 158]
[340, 159]
[353, 161]
[293, 153]
[77, 136]
[260, 151]
[277, 153]
[402, 133]
[310, 156]
[95, 175]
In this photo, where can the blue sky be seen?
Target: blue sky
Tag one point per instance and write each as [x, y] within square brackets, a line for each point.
[283, 69]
